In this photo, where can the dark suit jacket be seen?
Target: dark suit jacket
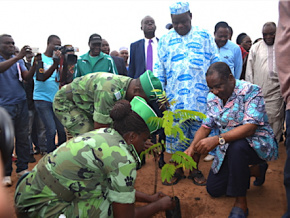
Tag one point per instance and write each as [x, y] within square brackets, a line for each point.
[137, 64]
[120, 65]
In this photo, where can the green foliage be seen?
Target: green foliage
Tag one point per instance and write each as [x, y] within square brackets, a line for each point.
[182, 160]
[156, 147]
[167, 172]
[186, 161]
[184, 115]
[172, 128]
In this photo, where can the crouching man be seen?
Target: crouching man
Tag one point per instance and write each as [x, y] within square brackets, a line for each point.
[245, 137]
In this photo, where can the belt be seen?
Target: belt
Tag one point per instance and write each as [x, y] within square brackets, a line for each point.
[53, 183]
[68, 92]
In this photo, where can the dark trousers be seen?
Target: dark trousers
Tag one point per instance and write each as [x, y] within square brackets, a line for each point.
[287, 165]
[233, 178]
[51, 123]
[19, 116]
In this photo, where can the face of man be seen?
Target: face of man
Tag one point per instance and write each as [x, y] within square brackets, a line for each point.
[105, 48]
[16, 50]
[29, 57]
[221, 36]
[7, 47]
[181, 23]
[95, 48]
[221, 87]
[269, 33]
[53, 42]
[148, 25]
[124, 54]
[246, 43]
[115, 53]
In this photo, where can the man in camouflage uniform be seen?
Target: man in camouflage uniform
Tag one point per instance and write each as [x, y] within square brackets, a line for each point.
[85, 104]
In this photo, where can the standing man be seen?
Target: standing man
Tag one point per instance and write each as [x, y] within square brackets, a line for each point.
[282, 51]
[45, 89]
[229, 52]
[184, 55]
[119, 62]
[124, 53]
[13, 100]
[95, 60]
[143, 52]
[261, 70]
[36, 129]
[143, 55]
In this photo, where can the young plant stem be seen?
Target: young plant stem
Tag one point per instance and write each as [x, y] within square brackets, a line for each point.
[156, 166]
[172, 183]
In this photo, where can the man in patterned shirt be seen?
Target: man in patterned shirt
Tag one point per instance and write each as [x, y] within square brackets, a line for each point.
[184, 54]
[237, 109]
[85, 104]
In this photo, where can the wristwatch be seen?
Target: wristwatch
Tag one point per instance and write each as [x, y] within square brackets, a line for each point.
[222, 141]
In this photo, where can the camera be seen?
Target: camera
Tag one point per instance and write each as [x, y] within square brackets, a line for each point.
[68, 53]
[66, 48]
[66, 62]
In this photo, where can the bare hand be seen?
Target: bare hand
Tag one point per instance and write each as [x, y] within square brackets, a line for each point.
[148, 144]
[166, 203]
[206, 145]
[157, 196]
[189, 151]
[164, 105]
[56, 56]
[26, 49]
[37, 58]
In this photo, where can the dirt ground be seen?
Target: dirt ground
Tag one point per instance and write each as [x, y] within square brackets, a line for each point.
[267, 201]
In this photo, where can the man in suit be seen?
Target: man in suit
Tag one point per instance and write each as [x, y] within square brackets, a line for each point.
[119, 62]
[139, 49]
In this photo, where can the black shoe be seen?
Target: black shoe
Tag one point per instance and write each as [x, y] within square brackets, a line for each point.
[31, 159]
[260, 180]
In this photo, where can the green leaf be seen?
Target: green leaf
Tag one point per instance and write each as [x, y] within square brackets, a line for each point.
[167, 172]
[184, 115]
[157, 146]
[182, 158]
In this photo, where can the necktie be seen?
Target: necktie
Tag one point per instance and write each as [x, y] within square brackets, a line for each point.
[149, 56]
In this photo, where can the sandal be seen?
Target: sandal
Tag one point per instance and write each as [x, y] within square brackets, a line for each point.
[175, 179]
[238, 212]
[197, 174]
[261, 179]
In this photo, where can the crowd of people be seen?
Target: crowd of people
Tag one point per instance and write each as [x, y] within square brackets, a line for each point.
[103, 100]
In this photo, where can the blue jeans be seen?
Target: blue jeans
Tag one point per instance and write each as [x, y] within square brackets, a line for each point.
[19, 116]
[36, 132]
[51, 123]
[287, 165]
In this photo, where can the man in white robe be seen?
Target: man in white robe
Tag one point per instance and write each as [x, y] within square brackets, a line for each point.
[261, 70]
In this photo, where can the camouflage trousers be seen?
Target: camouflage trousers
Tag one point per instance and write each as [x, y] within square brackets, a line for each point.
[74, 119]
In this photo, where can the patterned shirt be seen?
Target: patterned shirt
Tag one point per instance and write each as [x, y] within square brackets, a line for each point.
[182, 64]
[245, 106]
[96, 94]
[98, 167]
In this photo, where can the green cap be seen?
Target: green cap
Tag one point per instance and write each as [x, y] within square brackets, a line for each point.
[140, 106]
[149, 82]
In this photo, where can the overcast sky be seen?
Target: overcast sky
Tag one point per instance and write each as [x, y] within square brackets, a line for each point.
[31, 22]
